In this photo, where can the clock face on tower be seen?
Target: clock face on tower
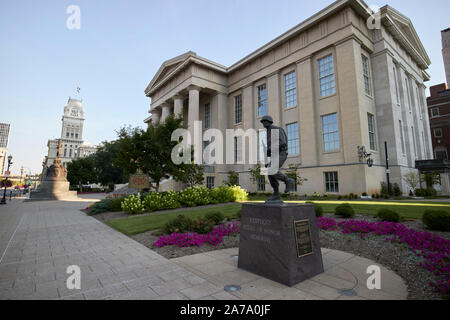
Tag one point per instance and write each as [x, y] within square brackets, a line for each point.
[74, 113]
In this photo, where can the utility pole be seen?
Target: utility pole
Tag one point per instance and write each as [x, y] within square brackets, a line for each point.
[388, 171]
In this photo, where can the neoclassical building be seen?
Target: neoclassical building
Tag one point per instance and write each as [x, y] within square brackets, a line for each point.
[72, 136]
[334, 82]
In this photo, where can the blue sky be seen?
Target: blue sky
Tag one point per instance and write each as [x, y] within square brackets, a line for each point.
[121, 45]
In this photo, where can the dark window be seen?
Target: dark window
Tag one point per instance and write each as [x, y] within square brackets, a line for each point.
[238, 109]
[261, 184]
[331, 182]
[210, 182]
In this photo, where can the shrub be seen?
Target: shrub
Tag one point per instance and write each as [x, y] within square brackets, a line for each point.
[99, 207]
[344, 211]
[239, 194]
[317, 208]
[222, 194]
[115, 205]
[429, 192]
[238, 214]
[195, 196]
[202, 226]
[180, 224]
[133, 205]
[153, 201]
[215, 216]
[384, 188]
[170, 200]
[396, 190]
[339, 197]
[388, 215]
[438, 220]
[364, 194]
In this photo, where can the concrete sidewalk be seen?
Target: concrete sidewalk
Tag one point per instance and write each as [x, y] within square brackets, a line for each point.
[40, 240]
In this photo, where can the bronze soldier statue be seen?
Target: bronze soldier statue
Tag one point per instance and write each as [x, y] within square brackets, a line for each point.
[267, 122]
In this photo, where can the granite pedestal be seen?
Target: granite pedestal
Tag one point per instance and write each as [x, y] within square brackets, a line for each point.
[280, 242]
[53, 190]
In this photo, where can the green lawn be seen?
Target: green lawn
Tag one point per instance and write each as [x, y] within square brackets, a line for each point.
[406, 210]
[136, 225]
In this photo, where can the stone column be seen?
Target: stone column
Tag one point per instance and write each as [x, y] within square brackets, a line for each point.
[194, 115]
[155, 116]
[178, 105]
[165, 112]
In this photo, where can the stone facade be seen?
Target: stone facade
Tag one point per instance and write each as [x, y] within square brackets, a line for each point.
[332, 82]
[446, 52]
[72, 136]
[4, 139]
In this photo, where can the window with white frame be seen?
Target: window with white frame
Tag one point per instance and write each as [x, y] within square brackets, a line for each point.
[435, 112]
[326, 76]
[210, 182]
[366, 75]
[438, 133]
[372, 135]
[331, 182]
[293, 140]
[330, 133]
[290, 93]
[414, 142]
[207, 116]
[262, 100]
[238, 109]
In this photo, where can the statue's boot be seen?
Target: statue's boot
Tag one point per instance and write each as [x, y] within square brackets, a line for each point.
[275, 198]
[290, 185]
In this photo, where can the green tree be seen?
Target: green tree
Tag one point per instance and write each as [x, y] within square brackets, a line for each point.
[190, 174]
[151, 151]
[255, 174]
[293, 173]
[412, 179]
[233, 178]
[107, 172]
[81, 171]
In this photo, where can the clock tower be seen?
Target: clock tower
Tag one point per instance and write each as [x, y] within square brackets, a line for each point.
[73, 146]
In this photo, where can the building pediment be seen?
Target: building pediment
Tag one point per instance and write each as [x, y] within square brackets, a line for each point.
[167, 68]
[404, 32]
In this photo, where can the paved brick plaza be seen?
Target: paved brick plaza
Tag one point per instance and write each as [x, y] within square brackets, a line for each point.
[39, 240]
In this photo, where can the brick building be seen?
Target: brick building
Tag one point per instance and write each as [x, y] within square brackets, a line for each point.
[439, 113]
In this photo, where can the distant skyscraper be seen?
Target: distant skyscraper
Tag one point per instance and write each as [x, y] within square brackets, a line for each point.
[4, 138]
[446, 52]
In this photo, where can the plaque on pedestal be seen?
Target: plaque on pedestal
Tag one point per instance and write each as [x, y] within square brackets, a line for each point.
[280, 242]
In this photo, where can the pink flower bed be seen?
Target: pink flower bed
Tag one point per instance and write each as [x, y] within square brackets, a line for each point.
[215, 237]
[433, 249]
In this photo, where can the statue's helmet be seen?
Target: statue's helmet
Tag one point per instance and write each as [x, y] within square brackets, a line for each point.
[267, 118]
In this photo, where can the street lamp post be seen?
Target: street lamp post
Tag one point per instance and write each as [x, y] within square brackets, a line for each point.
[3, 201]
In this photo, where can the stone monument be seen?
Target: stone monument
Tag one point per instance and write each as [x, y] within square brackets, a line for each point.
[54, 185]
[280, 241]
